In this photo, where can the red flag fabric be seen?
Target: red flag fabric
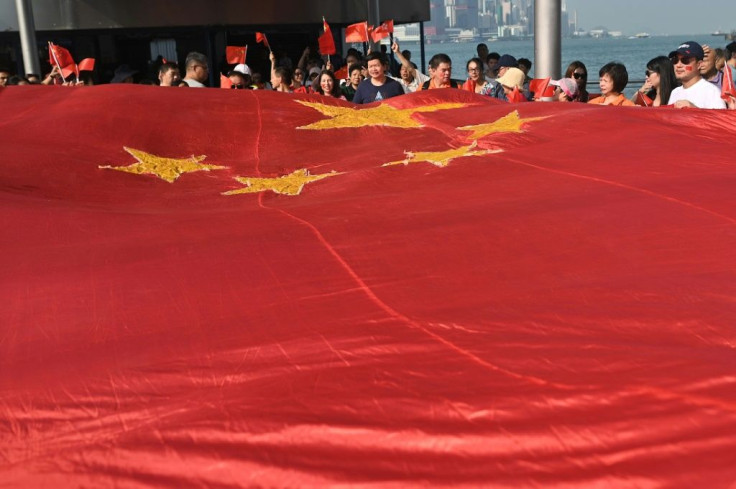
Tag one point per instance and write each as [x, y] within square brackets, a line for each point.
[728, 88]
[236, 54]
[225, 81]
[477, 298]
[59, 55]
[382, 31]
[87, 64]
[357, 32]
[516, 96]
[342, 73]
[540, 87]
[67, 71]
[261, 37]
[326, 41]
[643, 100]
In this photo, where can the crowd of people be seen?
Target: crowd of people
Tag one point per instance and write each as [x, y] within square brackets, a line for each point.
[691, 76]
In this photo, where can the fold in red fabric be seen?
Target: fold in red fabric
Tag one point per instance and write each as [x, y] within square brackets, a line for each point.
[290, 291]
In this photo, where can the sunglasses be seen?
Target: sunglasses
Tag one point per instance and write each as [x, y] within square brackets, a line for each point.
[686, 60]
[298, 73]
[237, 87]
[649, 73]
[578, 76]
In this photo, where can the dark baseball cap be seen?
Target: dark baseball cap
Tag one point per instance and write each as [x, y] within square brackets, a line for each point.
[507, 61]
[689, 48]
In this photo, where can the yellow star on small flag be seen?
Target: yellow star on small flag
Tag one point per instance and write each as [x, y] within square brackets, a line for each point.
[382, 115]
[168, 169]
[509, 123]
[291, 184]
[441, 158]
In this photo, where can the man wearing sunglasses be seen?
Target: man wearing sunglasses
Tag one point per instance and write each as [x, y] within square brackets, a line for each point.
[695, 91]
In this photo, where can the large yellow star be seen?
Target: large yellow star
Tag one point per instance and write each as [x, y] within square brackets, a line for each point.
[509, 123]
[382, 115]
[291, 184]
[441, 158]
[168, 169]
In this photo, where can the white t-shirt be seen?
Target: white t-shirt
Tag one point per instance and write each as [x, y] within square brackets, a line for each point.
[703, 95]
[419, 80]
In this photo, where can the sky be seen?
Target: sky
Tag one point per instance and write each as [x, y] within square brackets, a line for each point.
[656, 16]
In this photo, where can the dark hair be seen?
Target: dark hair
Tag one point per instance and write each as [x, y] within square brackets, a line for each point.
[476, 61]
[439, 58]
[336, 92]
[574, 66]
[406, 53]
[493, 55]
[618, 74]
[284, 73]
[667, 81]
[354, 52]
[379, 56]
[525, 62]
[167, 67]
[17, 80]
[353, 67]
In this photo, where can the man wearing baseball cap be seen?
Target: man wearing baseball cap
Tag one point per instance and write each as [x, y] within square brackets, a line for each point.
[695, 91]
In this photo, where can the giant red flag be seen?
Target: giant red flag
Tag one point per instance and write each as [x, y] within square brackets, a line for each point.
[382, 31]
[357, 32]
[236, 54]
[440, 290]
[326, 41]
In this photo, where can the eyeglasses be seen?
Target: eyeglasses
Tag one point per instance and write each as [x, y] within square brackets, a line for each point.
[578, 76]
[686, 60]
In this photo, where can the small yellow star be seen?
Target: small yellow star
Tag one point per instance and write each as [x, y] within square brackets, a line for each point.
[291, 184]
[441, 158]
[382, 115]
[509, 123]
[168, 169]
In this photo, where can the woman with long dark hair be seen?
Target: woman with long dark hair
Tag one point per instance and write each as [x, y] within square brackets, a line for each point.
[328, 86]
[579, 73]
[660, 81]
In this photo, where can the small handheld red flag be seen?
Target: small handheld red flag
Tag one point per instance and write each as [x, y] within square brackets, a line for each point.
[540, 87]
[236, 54]
[728, 89]
[643, 100]
[326, 41]
[59, 56]
[382, 31]
[516, 96]
[342, 73]
[261, 37]
[87, 64]
[225, 81]
[357, 32]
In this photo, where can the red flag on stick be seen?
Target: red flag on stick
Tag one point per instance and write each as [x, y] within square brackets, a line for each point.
[59, 56]
[326, 41]
[357, 32]
[643, 100]
[87, 64]
[261, 37]
[516, 96]
[382, 31]
[540, 87]
[342, 73]
[728, 89]
[225, 82]
[236, 54]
